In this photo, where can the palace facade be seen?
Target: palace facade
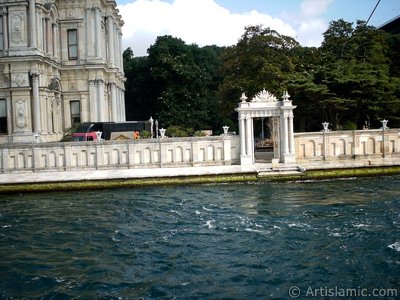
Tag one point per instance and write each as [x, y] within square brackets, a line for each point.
[60, 64]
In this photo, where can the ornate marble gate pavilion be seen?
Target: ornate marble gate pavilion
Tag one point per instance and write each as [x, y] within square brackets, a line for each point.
[265, 104]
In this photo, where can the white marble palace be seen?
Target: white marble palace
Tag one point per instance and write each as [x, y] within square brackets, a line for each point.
[60, 64]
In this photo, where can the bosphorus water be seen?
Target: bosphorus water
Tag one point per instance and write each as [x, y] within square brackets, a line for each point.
[237, 241]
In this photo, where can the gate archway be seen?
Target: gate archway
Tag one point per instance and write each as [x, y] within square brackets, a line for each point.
[266, 105]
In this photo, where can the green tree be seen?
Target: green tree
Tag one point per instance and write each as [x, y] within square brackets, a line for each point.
[261, 59]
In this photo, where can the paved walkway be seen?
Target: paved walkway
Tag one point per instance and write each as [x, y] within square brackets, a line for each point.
[262, 169]
[65, 176]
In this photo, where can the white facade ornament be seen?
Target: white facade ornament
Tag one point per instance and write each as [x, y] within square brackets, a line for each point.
[243, 98]
[285, 96]
[264, 96]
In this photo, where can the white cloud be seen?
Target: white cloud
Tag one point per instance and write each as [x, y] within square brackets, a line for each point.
[204, 22]
[309, 23]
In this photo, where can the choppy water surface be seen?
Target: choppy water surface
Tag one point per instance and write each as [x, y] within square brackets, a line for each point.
[241, 241]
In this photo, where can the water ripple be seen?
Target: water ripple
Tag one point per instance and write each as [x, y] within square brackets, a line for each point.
[205, 241]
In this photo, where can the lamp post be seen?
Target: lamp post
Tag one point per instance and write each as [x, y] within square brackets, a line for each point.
[384, 123]
[98, 135]
[325, 126]
[225, 128]
[162, 132]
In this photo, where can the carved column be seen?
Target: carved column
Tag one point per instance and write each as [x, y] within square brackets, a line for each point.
[5, 29]
[49, 41]
[89, 32]
[98, 32]
[36, 103]
[92, 101]
[114, 107]
[123, 113]
[100, 100]
[55, 40]
[32, 24]
[110, 23]
[119, 53]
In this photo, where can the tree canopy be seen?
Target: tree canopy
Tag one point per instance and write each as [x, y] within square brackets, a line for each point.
[351, 80]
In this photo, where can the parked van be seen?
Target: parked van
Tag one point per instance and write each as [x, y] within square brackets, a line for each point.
[111, 130]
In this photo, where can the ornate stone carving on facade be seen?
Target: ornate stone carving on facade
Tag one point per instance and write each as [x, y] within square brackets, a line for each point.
[20, 114]
[19, 80]
[17, 28]
[73, 86]
[55, 84]
[264, 96]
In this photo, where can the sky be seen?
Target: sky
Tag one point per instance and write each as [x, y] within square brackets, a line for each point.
[222, 22]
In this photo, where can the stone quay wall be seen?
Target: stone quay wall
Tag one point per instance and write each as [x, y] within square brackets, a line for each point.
[347, 145]
[145, 153]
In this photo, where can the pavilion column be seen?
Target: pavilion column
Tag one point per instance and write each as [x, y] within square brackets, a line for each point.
[242, 129]
[291, 134]
[248, 135]
[284, 134]
[36, 103]
[32, 24]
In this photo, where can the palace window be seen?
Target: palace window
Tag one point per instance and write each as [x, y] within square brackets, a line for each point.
[75, 112]
[3, 116]
[72, 44]
[1, 34]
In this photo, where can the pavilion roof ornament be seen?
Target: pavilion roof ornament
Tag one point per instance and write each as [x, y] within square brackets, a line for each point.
[264, 96]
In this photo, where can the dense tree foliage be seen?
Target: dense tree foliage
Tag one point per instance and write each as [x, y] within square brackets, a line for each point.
[351, 81]
[177, 84]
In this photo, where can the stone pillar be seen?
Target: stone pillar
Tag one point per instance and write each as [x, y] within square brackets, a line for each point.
[39, 28]
[55, 43]
[5, 29]
[32, 24]
[9, 114]
[291, 135]
[92, 101]
[284, 134]
[100, 101]
[111, 39]
[114, 106]
[49, 40]
[123, 113]
[248, 135]
[119, 53]
[242, 131]
[89, 32]
[98, 32]
[36, 103]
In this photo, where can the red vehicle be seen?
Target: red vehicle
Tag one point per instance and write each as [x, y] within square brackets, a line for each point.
[89, 131]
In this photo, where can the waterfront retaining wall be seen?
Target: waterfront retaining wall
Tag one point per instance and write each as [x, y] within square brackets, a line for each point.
[145, 153]
[347, 145]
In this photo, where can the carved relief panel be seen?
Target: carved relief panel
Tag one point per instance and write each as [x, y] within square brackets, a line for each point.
[21, 108]
[18, 29]
[19, 80]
